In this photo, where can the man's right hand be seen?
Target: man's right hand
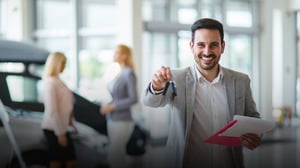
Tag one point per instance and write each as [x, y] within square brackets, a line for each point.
[161, 77]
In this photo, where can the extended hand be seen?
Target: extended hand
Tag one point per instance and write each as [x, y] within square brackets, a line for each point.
[107, 109]
[161, 77]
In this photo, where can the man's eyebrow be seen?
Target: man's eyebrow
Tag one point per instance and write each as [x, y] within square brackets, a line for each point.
[199, 42]
[214, 43]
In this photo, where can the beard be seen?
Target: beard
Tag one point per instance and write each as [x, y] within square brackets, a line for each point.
[207, 62]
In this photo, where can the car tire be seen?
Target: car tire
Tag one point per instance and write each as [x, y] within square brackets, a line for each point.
[36, 159]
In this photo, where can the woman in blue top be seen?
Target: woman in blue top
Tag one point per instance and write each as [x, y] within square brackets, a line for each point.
[123, 90]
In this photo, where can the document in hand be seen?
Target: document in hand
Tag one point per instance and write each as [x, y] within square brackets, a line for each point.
[230, 134]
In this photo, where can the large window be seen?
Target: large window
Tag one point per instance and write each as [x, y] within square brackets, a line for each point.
[3, 18]
[239, 13]
[54, 30]
[97, 29]
[239, 54]
[85, 31]
[238, 17]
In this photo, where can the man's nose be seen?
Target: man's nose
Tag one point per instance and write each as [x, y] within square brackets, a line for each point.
[207, 50]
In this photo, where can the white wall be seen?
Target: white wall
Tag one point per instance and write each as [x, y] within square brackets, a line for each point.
[266, 59]
[294, 5]
[288, 52]
[278, 54]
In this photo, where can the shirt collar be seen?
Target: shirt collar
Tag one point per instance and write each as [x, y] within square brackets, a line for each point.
[217, 79]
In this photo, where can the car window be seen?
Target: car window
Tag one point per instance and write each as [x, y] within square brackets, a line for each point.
[24, 89]
[11, 67]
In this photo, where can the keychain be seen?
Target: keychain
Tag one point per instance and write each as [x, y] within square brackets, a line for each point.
[173, 86]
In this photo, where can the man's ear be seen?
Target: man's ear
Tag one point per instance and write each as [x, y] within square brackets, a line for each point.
[191, 44]
[223, 46]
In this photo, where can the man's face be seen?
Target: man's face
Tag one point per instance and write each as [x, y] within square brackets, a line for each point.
[207, 48]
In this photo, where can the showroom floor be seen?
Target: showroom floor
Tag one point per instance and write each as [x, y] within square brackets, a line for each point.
[280, 148]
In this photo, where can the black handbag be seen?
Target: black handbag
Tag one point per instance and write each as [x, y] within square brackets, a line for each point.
[137, 143]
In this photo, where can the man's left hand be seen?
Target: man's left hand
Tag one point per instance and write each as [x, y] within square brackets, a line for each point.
[251, 141]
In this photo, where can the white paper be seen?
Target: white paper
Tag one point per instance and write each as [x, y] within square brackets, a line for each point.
[248, 125]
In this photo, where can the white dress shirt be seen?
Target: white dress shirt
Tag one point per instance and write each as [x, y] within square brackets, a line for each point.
[210, 114]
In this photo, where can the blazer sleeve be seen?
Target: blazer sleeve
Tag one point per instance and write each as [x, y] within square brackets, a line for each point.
[250, 109]
[153, 100]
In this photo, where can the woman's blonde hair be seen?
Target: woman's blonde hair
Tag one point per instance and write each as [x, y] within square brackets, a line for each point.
[127, 51]
[55, 64]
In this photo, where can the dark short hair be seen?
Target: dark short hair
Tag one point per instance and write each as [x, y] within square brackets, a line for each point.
[207, 23]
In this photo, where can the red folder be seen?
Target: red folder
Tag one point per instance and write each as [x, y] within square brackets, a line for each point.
[224, 140]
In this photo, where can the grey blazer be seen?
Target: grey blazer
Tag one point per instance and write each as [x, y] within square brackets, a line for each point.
[124, 95]
[240, 101]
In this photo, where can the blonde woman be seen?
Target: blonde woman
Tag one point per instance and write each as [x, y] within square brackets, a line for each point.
[58, 114]
[123, 90]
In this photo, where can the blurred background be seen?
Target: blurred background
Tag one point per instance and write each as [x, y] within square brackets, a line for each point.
[262, 40]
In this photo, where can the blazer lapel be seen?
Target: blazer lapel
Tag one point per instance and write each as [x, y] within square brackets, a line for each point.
[229, 82]
[190, 97]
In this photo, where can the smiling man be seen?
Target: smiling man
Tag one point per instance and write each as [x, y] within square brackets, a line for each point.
[208, 96]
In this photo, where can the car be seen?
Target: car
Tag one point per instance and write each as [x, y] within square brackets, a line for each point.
[22, 100]
[31, 144]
